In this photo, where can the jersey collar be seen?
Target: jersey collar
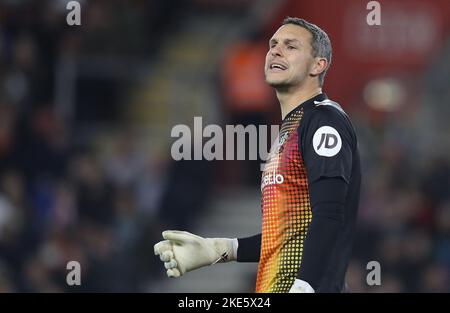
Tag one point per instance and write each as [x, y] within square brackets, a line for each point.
[308, 103]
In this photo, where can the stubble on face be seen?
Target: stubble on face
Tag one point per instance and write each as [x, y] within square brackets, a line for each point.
[289, 57]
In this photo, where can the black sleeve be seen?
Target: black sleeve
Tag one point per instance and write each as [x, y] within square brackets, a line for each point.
[327, 202]
[249, 249]
[327, 143]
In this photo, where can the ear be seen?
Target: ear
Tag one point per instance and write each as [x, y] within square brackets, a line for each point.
[319, 65]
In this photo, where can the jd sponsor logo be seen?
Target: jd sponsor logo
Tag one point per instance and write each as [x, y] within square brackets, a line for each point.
[327, 141]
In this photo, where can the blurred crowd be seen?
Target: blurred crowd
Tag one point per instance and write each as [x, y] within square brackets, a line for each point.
[81, 186]
[404, 221]
[69, 188]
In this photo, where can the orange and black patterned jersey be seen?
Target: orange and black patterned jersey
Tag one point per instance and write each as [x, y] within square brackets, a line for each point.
[315, 140]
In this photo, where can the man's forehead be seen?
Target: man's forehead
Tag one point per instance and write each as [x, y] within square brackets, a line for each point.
[291, 31]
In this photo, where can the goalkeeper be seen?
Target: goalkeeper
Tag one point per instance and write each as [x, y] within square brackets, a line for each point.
[310, 184]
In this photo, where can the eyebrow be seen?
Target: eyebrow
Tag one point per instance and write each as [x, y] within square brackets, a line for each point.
[286, 41]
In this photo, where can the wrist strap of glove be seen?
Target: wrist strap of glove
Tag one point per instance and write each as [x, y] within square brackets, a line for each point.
[227, 249]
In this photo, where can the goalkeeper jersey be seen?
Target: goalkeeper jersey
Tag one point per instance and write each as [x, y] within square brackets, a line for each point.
[315, 140]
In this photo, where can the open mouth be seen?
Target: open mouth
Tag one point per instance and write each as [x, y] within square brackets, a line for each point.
[277, 67]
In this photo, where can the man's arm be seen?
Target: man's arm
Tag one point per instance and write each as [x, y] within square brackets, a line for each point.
[183, 252]
[327, 197]
[249, 249]
[327, 144]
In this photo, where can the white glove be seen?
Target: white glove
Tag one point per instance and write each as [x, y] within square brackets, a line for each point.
[182, 252]
[301, 286]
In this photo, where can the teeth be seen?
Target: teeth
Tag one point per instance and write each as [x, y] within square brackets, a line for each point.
[276, 66]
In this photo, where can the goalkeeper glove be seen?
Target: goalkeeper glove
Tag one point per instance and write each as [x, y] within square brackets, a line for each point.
[301, 286]
[182, 252]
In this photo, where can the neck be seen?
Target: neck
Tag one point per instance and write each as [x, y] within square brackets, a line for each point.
[289, 99]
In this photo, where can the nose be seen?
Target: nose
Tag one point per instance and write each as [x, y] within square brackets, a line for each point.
[275, 51]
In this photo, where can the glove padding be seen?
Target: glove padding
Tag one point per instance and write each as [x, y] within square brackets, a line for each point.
[301, 286]
[182, 251]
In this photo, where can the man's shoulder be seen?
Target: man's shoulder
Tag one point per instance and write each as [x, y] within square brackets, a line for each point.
[325, 110]
[327, 107]
[326, 113]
